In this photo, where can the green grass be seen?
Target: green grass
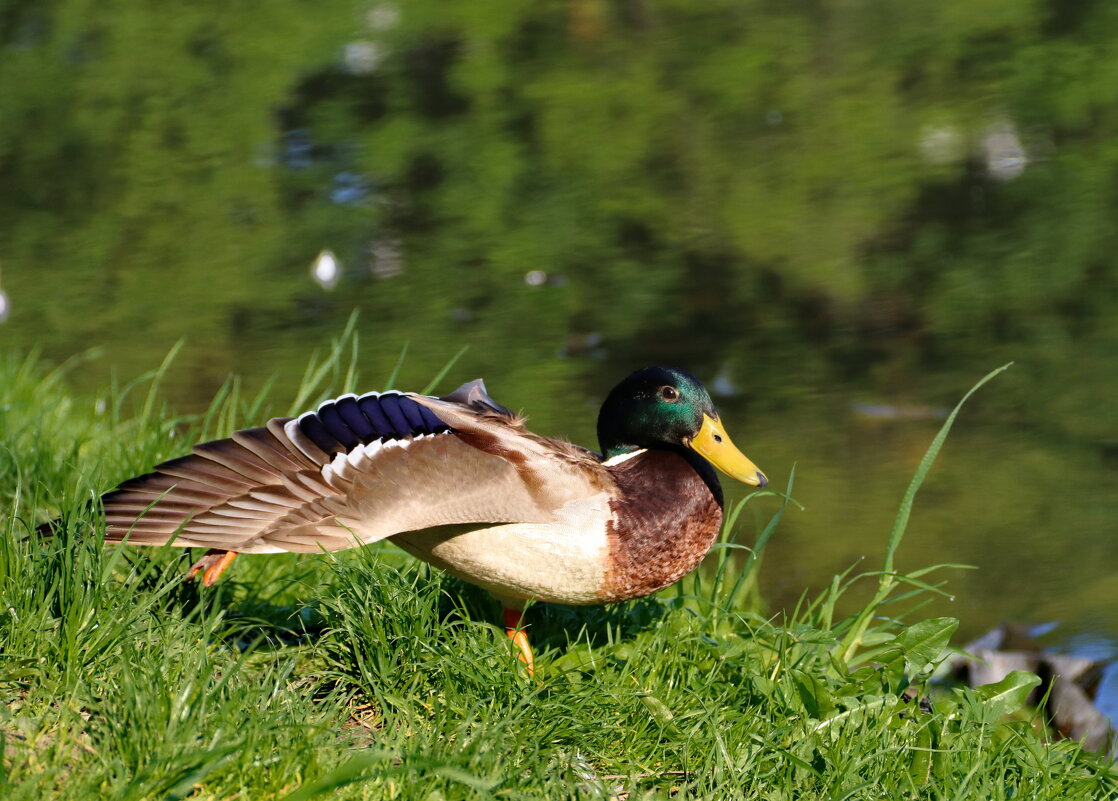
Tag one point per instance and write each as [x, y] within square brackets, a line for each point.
[368, 675]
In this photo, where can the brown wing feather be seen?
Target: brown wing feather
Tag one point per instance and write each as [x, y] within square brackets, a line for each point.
[272, 489]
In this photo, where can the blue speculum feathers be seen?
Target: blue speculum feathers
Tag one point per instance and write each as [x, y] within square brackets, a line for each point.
[350, 421]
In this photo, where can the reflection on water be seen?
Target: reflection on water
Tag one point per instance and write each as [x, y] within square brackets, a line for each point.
[839, 218]
[1005, 155]
[5, 304]
[325, 270]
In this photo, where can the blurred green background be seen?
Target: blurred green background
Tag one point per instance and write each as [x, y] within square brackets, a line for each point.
[838, 214]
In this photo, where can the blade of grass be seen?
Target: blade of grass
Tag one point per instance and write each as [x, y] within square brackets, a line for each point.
[748, 577]
[390, 382]
[317, 372]
[888, 579]
[446, 369]
[156, 379]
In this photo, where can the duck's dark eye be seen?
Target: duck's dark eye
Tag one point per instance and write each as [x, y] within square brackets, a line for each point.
[669, 393]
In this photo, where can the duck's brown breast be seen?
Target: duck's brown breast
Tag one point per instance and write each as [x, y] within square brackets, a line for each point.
[664, 521]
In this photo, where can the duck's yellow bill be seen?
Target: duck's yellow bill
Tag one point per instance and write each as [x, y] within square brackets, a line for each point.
[713, 444]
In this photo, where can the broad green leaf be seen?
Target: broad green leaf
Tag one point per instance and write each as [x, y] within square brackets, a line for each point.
[920, 768]
[657, 708]
[924, 642]
[870, 705]
[814, 694]
[1008, 695]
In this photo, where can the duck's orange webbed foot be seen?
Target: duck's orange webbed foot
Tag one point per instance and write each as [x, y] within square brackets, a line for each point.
[514, 627]
[213, 562]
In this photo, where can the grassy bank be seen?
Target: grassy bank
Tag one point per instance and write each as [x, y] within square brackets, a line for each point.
[366, 675]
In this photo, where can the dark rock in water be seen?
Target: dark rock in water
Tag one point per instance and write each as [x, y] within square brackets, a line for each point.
[1071, 704]
[1069, 686]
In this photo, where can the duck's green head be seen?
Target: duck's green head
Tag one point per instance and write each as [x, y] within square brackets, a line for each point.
[662, 407]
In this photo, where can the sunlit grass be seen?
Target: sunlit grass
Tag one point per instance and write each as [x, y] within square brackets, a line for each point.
[368, 675]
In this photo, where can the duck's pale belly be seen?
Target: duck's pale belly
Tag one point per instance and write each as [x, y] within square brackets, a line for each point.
[563, 564]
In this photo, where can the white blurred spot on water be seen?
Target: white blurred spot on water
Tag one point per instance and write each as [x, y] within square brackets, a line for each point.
[382, 17]
[326, 270]
[1005, 155]
[362, 58]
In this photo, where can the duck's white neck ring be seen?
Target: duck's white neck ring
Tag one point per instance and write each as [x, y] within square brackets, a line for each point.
[621, 457]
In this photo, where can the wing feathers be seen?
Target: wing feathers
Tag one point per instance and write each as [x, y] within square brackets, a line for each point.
[289, 433]
[231, 454]
[357, 469]
[270, 447]
[204, 471]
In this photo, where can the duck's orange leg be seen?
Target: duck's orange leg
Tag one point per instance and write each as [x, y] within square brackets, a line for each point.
[514, 627]
[213, 562]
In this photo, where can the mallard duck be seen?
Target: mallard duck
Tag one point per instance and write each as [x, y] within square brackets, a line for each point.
[459, 482]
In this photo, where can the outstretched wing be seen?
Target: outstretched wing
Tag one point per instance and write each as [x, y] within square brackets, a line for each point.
[356, 470]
